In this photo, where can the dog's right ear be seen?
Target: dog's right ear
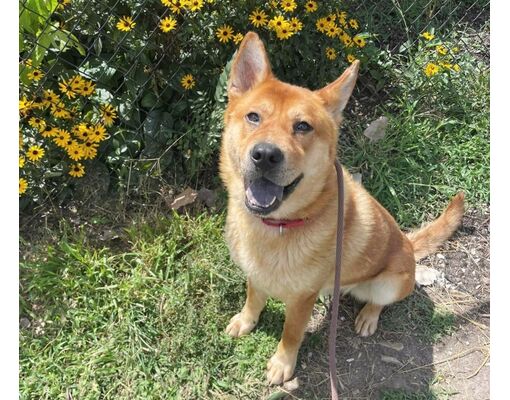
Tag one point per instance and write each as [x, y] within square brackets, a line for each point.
[250, 66]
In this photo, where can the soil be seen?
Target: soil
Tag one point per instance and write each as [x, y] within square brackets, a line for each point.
[406, 363]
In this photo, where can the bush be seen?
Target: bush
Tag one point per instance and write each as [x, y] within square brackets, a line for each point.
[161, 69]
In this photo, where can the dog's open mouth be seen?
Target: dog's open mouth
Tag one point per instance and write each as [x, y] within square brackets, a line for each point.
[264, 196]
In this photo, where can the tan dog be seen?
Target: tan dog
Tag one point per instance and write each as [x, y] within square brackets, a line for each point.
[277, 162]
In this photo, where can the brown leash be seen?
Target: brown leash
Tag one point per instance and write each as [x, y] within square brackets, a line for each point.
[336, 291]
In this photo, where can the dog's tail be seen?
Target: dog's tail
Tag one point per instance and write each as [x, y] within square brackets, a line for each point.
[430, 236]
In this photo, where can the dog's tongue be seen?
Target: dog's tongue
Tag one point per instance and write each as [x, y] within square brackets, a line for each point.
[263, 193]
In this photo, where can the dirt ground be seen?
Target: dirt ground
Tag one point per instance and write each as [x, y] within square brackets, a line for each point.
[433, 345]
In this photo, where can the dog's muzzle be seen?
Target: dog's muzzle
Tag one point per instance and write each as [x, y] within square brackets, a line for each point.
[264, 196]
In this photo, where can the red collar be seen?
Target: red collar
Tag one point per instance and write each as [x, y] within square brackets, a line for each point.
[283, 223]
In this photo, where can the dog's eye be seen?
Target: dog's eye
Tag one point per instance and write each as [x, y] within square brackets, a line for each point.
[253, 117]
[302, 126]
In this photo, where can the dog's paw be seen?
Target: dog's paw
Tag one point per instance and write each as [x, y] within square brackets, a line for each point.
[280, 368]
[240, 325]
[367, 319]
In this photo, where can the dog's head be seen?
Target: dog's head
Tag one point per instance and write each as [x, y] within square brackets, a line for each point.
[279, 142]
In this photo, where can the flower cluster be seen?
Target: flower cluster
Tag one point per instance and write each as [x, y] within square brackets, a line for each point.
[342, 31]
[59, 127]
[441, 57]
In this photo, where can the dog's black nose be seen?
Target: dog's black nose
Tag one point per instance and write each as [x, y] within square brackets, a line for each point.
[266, 156]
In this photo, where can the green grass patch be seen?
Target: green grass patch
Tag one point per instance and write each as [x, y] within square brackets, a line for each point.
[146, 323]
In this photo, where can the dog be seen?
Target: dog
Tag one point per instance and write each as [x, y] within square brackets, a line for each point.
[277, 158]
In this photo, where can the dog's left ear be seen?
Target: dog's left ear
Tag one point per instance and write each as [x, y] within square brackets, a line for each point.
[250, 67]
[336, 94]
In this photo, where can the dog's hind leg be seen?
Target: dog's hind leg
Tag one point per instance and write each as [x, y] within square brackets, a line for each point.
[244, 322]
[384, 289]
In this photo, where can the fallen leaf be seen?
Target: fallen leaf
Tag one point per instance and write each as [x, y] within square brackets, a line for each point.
[391, 360]
[291, 385]
[392, 345]
[183, 199]
[426, 276]
[377, 129]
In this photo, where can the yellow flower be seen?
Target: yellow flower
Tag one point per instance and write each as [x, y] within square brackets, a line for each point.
[37, 102]
[427, 35]
[76, 83]
[187, 81]
[330, 53]
[332, 30]
[88, 88]
[174, 5]
[84, 131]
[23, 185]
[63, 3]
[89, 150]
[456, 67]
[77, 170]
[59, 110]
[21, 161]
[441, 50]
[296, 24]
[353, 23]
[97, 133]
[288, 5]
[66, 88]
[195, 5]
[284, 32]
[48, 131]
[431, 69]
[276, 22]
[75, 152]
[360, 42]
[125, 24]
[35, 153]
[224, 33]
[167, 24]
[62, 137]
[310, 6]
[342, 18]
[49, 97]
[330, 18]
[24, 106]
[70, 144]
[258, 18]
[238, 38]
[346, 39]
[36, 122]
[108, 114]
[351, 58]
[322, 25]
[35, 75]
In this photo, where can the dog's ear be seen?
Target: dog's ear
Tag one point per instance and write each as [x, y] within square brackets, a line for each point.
[250, 66]
[336, 94]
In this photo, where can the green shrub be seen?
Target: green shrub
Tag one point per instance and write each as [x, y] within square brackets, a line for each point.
[161, 68]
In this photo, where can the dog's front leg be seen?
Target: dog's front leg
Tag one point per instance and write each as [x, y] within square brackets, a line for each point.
[297, 314]
[244, 322]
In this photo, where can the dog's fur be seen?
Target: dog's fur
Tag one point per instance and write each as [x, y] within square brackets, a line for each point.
[378, 263]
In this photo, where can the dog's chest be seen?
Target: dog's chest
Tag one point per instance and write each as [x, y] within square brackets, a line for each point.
[282, 265]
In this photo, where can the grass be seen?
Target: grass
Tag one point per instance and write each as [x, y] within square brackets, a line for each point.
[143, 323]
